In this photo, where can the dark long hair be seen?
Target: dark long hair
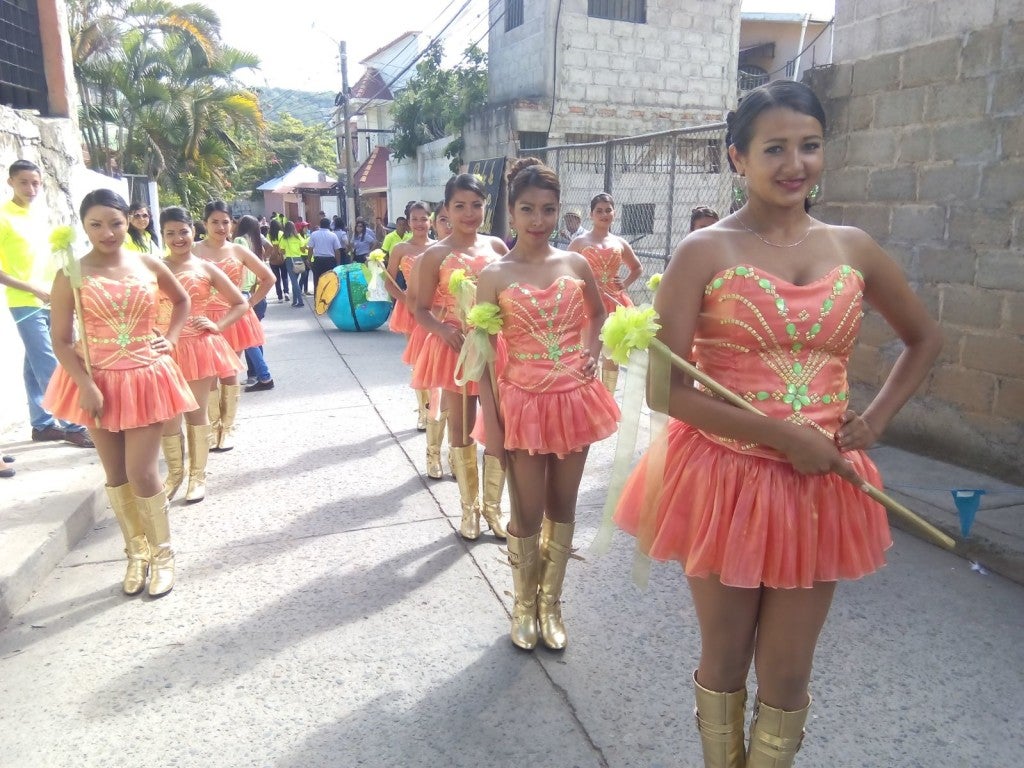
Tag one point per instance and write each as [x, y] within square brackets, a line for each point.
[216, 206]
[249, 228]
[779, 93]
[105, 198]
[150, 227]
[466, 182]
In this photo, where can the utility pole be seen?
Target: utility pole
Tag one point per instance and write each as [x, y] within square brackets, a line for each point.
[350, 207]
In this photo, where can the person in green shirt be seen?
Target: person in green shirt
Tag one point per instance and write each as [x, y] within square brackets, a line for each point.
[27, 268]
[293, 245]
[399, 234]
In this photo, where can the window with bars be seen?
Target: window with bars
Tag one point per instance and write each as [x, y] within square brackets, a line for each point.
[618, 10]
[532, 139]
[22, 76]
[513, 14]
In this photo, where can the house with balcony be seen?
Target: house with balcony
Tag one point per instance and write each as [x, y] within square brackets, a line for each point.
[781, 46]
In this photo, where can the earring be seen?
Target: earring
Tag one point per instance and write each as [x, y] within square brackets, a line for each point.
[739, 192]
[814, 194]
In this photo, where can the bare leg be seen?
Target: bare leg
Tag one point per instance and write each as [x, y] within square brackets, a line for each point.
[563, 486]
[789, 623]
[172, 427]
[141, 451]
[728, 620]
[111, 447]
[529, 478]
[201, 389]
[458, 431]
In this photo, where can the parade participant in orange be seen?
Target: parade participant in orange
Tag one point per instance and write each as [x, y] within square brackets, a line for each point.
[232, 259]
[202, 352]
[550, 407]
[401, 260]
[121, 380]
[467, 252]
[765, 514]
[606, 254]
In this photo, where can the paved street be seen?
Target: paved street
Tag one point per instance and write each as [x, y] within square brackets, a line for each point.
[326, 614]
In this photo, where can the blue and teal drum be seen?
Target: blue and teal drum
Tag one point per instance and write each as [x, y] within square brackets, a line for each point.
[350, 310]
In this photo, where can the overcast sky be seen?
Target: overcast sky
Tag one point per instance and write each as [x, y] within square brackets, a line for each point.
[298, 43]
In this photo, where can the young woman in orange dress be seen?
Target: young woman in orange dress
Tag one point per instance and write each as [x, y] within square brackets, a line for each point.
[135, 385]
[438, 312]
[550, 405]
[231, 259]
[202, 352]
[400, 266]
[607, 253]
[765, 514]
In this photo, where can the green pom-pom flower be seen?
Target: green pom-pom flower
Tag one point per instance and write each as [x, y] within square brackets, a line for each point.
[628, 328]
[457, 281]
[486, 317]
[654, 283]
[62, 238]
[377, 255]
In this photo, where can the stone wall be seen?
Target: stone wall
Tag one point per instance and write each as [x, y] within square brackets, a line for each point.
[53, 145]
[925, 151]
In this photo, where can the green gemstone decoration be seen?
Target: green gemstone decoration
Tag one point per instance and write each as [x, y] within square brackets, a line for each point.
[826, 399]
[815, 329]
[838, 285]
[742, 271]
[827, 305]
[780, 304]
[791, 330]
[717, 283]
[762, 395]
[797, 346]
[798, 368]
[764, 283]
[841, 397]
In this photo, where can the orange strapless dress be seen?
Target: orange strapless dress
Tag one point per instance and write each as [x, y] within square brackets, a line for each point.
[139, 386]
[402, 319]
[606, 263]
[548, 405]
[741, 511]
[434, 365]
[245, 332]
[201, 354]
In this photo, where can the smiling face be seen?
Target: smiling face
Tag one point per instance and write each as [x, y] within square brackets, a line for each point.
[602, 214]
[419, 222]
[784, 159]
[466, 211]
[26, 186]
[178, 237]
[534, 215]
[139, 219]
[106, 228]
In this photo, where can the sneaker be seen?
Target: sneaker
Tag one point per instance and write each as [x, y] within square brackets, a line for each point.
[81, 439]
[48, 434]
[261, 386]
[249, 382]
[7, 472]
[8, 459]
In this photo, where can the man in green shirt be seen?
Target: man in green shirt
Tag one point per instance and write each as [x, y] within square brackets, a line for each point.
[400, 234]
[27, 268]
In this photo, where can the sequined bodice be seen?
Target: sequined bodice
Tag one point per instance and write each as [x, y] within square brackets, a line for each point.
[543, 328]
[234, 268]
[197, 283]
[604, 262]
[782, 347]
[406, 264]
[119, 318]
[473, 265]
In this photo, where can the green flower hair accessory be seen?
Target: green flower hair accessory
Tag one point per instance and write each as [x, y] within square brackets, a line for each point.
[486, 317]
[654, 283]
[627, 329]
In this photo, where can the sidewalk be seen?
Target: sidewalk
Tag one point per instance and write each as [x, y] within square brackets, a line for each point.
[57, 496]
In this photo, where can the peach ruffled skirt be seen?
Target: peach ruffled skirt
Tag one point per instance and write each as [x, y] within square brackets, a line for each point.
[246, 332]
[204, 355]
[752, 521]
[401, 320]
[132, 397]
[434, 366]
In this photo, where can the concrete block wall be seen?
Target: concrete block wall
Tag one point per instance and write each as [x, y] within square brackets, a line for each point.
[925, 151]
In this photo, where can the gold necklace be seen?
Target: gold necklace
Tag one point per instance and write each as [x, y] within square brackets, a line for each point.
[769, 242]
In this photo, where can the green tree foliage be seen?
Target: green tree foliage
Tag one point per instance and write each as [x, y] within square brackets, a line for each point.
[438, 102]
[286, 143]
[159, 94]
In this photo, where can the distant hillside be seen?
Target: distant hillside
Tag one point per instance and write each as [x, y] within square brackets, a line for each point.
[310, 108]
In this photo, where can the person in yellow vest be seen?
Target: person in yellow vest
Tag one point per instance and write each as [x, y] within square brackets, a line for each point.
[400, 234]
[27, 268]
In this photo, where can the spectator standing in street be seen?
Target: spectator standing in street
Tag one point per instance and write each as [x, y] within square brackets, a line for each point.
[293, 247]
[572, 227]
[142, 235]
[363, 242]
[27, 268]
[248, 234]
[400, 234]
[325, 250]
[277, 264]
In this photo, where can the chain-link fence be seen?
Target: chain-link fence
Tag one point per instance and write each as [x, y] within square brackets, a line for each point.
[657, 180]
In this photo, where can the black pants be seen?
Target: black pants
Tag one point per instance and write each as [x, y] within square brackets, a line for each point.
[281, 279]
[322, 264]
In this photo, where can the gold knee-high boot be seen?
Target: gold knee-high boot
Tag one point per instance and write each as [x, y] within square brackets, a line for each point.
[422, 406]
[524, 557]
[135, 544]
[230, 393]
[198, 454]
[555, 550]
[775, 736]
[435, 432]
[720, 724]
[153, 511]
[467, 474]
[610, 377]
[494, 483]
[213, 411]
[174, 454]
